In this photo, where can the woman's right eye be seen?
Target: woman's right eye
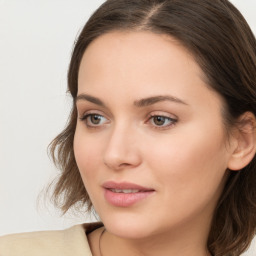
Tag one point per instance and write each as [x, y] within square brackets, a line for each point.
[94, 120]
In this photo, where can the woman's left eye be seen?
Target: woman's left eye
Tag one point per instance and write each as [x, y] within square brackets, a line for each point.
[162, 121]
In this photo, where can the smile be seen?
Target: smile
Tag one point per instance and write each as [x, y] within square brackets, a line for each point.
[125, 191]
[125, 194]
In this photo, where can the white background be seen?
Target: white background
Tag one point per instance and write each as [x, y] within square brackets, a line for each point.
[36, 39]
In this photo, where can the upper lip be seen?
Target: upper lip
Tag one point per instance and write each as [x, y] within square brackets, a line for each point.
[125, 185]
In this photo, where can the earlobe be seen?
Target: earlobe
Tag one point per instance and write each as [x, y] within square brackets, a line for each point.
[245, 146]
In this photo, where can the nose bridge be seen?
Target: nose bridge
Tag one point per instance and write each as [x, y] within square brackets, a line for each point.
[122, 148]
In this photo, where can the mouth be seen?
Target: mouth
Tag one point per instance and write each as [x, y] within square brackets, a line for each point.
[125, 191]
[125, 186]
[125, 194]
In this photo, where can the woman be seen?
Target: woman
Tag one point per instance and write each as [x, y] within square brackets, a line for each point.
[161, 139]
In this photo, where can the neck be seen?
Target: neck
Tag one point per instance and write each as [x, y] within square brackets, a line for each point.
[177, 243]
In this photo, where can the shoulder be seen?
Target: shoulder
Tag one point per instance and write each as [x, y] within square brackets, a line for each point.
[72, 241]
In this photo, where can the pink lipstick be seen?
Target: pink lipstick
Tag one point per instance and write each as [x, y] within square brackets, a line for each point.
[125, 194]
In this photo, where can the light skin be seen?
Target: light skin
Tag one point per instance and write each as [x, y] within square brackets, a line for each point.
[146, 116]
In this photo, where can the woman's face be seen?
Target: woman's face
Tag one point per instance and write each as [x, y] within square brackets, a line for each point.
[150, 142]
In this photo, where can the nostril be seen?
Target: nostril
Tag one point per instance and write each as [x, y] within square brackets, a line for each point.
[125, 164]
[119, 155]
[116, 166]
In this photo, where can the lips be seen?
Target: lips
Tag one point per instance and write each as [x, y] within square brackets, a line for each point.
[125, 186]
[126, 191]
[125, 194]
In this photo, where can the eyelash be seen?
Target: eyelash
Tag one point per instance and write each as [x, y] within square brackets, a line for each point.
[172, 121]
[85, 120]
[150, 119]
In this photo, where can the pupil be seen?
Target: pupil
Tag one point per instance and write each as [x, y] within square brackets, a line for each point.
[95, 119]
[159, 120]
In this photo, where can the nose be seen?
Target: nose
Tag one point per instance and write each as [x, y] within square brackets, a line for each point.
[122, 149]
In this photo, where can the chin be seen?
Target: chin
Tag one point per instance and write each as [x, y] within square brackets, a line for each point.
[128, 225]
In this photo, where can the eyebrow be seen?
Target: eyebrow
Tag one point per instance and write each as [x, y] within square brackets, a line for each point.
[155, 99]
[138, 103]
[90, 99]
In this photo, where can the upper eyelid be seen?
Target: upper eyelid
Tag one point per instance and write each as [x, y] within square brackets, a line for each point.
[164, 116]
[96, 112]
[82, 112]
[82, 102]
[84, 105]
[162, 113]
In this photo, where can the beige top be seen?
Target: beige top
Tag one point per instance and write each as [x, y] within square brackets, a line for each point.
[72, 241]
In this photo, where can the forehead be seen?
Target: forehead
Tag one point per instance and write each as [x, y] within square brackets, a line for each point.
[140, 63]
[121, 47]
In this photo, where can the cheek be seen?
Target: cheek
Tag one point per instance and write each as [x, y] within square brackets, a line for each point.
[87, 155]
[190, 162]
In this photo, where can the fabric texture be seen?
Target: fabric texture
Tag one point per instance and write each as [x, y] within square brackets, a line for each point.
[72, 241]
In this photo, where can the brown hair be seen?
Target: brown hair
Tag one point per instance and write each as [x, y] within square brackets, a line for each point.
[225, 48]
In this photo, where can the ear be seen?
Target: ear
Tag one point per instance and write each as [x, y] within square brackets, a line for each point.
[244, 142]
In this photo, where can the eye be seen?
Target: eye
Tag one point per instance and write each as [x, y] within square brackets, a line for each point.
[162, 121]
[94, 120]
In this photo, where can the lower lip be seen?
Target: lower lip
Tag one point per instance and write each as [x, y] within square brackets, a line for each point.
[125, 199]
